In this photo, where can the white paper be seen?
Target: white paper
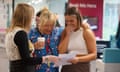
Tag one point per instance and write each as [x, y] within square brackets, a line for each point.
[64, 58]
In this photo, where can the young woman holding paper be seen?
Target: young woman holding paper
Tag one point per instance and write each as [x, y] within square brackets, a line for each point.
[79, 39]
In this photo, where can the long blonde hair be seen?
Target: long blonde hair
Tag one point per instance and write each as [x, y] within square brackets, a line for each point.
[22, 16]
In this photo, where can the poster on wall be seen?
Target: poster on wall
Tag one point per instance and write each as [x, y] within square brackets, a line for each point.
[92, 20]
[3, 18]
[92, 12]
[2, 40]
[8, 1]
[3, 23]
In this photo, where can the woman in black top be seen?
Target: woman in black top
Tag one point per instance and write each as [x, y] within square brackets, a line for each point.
[17, 45]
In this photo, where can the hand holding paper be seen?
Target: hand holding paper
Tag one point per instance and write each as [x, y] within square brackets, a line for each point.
[65, 58]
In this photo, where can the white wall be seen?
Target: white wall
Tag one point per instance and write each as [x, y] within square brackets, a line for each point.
[58, 6]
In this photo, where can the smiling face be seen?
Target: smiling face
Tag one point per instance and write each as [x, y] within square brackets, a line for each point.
[47, 27]
[47, 23]
[71, 20]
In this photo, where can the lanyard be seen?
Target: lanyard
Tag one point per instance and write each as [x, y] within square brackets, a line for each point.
[48, 48]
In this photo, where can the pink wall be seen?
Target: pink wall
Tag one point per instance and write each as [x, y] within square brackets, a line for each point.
[91, 8]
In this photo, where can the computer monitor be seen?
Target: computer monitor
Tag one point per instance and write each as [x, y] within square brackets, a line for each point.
[92, 20]
[101, 44]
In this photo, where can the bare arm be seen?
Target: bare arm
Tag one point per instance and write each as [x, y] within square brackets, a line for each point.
[65, 39]
[91, 46]
[62, 48]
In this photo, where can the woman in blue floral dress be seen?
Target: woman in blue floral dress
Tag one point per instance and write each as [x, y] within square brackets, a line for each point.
[46, 28]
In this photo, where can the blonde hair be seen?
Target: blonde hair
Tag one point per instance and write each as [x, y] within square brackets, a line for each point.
[44, 9]
[47, 16]
[22, 16]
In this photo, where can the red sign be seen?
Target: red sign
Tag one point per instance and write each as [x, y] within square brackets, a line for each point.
[92, 10]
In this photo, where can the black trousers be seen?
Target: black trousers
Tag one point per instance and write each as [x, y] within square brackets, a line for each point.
[18, 66]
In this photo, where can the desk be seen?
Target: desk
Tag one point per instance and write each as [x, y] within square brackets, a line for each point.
[110, 61]
[101, 45]
[99, 65]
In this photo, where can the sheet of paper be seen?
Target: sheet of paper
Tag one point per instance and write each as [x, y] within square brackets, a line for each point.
[65, 57]
[63, 60]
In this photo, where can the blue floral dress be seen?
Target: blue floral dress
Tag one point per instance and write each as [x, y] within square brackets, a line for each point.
[50, 48]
